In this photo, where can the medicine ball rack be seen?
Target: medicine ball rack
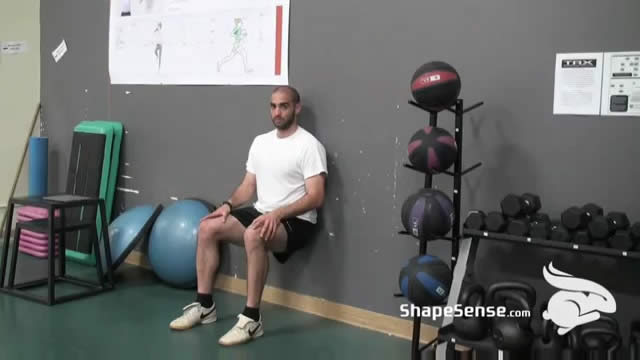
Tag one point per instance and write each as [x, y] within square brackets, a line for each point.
[457, 174]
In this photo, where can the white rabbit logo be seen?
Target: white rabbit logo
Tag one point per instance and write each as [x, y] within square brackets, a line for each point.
[578, 302]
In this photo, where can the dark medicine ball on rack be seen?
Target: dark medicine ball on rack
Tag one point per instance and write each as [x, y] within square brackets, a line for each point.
[425, 281]
[432, 150]
[427, 214]
[435, 85]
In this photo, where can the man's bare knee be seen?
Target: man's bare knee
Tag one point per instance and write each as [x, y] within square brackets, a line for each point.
[210, 230]
[252, 239]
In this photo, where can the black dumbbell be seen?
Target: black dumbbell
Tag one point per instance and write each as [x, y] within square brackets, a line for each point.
[495, 222]
[518, 227]
[540, 230]
[625, 240]
[559, 233]
[621, 240]
[619, 219]
[540, 217]
[515, 206]
[581, 237]
[635, 232]
[603, 227]
[593, 210]
[600, 243]
[475, 220]
[539, 226]
[575, 218]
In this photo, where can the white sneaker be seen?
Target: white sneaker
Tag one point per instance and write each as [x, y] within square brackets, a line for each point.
[245, 330]
[194, 314]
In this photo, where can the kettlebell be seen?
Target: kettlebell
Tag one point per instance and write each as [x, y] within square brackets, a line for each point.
[634, 341]
[608, 320]
[595, 344]
[547, 346]
[572, 349]
[512, 334]
[471, 328]
[525, 288]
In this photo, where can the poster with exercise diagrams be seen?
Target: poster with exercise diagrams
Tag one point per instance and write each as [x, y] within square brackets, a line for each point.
[199, 42]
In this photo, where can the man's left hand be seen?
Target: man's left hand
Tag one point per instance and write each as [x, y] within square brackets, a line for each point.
[268, 225]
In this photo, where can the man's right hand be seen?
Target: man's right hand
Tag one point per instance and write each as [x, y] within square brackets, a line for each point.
[223, 211]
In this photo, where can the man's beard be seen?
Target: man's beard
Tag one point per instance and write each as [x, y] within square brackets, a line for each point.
[284, 125]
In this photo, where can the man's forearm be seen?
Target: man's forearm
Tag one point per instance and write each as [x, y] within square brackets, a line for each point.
[301, 206]
[241, 195]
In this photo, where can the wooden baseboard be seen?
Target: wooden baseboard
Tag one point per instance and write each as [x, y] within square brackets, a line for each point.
[351, 315]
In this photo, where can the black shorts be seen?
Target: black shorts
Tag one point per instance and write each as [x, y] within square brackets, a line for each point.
[299, 232]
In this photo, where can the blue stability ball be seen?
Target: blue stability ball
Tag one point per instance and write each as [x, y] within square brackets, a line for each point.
[126, 231]
[173, 242]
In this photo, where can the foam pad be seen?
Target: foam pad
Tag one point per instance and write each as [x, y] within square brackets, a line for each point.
[40, 254]
[36, 235]
[21, 218]
[127, 230]
[35, 212]
[33, 240]
[38, 165]
[36, 247]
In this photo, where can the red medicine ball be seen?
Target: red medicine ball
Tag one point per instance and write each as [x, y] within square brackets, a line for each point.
[435, 85]
[432, 150]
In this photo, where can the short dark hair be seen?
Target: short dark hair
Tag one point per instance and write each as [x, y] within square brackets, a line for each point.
[292, 92]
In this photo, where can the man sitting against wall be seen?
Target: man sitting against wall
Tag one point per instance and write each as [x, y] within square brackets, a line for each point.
[286, 168]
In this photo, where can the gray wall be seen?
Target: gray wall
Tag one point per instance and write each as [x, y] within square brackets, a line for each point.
[352, 61]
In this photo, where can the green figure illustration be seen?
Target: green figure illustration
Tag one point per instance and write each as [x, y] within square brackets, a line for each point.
[239, 46]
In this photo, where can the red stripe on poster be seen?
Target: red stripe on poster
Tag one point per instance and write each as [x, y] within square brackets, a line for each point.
[278, 39]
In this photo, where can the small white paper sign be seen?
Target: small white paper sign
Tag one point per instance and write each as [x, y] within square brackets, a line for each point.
[578, 84]
[59, 52]
[13, 47]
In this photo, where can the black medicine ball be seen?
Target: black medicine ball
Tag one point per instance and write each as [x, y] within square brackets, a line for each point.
[432, 150]
[425, 281]
[427, 214]
[435, 85]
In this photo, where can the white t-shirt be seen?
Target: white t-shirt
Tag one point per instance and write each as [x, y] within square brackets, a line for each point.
[281, 167]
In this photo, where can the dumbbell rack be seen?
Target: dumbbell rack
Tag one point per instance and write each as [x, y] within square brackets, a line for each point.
[457, 174]
[551, 244]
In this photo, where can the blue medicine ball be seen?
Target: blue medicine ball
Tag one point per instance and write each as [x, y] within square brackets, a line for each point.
[425, 281]
[173, 242]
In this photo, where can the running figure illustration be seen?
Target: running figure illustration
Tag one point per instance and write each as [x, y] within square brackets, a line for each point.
[239, 34]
